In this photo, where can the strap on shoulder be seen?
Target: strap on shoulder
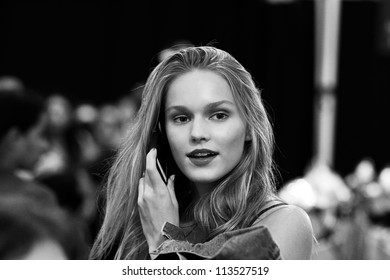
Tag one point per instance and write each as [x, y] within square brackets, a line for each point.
[267, 209]
[271, 207]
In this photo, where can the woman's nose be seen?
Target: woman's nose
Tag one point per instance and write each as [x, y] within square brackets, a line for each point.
[199, 130]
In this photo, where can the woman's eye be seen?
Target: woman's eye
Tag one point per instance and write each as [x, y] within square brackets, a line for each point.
[219, 116]
[180, 119]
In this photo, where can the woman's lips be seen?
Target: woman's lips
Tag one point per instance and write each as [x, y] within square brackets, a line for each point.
[202, 161]
[201, 157]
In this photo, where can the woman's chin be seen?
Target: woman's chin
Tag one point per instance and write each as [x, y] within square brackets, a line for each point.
[203, 180]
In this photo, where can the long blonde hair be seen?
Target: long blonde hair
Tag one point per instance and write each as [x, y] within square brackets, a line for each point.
[236, 200]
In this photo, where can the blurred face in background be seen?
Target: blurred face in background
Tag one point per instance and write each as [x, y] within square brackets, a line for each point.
[31, 145]
[110, 127]
[59, 111]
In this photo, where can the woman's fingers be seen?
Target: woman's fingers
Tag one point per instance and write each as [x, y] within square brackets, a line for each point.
[157, 203]
[171, 190]
[141, 189]
[153, 176]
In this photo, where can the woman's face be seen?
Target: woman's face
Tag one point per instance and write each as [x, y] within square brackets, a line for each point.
[204, 128]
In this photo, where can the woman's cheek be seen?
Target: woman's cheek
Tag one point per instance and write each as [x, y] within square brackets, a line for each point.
[175, 140]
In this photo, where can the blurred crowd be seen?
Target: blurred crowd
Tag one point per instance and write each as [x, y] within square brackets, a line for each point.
[350, 214]
[54, 156]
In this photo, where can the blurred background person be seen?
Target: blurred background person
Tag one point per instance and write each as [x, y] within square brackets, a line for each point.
[22, 141]
[30, 229]
[64, 166]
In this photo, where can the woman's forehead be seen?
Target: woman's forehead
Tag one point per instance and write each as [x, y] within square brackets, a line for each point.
[199, 85]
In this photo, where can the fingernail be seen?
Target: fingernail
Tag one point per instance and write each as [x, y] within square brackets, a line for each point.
[172, 177]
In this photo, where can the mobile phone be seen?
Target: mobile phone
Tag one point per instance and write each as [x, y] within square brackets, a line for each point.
[163, 157]
[161, 171]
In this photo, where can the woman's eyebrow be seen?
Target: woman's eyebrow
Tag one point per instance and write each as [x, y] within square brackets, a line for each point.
[214, 105]
[209, 107]
[177, 108]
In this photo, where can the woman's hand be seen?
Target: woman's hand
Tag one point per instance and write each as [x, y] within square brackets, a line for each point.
[157, 202]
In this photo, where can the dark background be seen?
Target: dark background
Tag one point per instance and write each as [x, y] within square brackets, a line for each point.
[96, 53]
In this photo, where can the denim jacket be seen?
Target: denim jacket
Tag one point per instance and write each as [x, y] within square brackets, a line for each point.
[253, 243]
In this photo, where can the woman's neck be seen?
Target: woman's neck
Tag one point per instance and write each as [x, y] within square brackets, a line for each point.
[202, 189]
[197, 191]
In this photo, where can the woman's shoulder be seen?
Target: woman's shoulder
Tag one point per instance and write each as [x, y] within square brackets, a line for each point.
[291, 229]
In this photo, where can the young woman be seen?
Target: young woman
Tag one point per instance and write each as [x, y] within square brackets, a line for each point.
[203, 126]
